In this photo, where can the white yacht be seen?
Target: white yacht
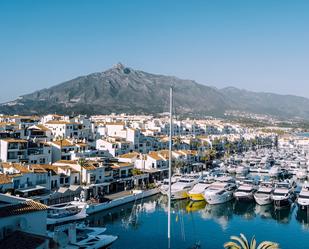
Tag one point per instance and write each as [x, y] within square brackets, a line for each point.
[283, 194]
[242, 169]
[264, 193]
[196, 193]
[179, 190]
[61, 213]
[303, 198]
[220, 192]
[74, 236]
[301, 174]
[164, 185]
[275, 171]
[245, 192]
[231, 169]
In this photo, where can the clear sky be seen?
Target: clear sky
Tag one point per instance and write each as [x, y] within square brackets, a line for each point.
[260, 45]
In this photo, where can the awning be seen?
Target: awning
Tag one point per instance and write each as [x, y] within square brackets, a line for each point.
[26, 190]
[100, 184]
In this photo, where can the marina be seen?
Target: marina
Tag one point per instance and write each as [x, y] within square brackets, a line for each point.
[197, 222]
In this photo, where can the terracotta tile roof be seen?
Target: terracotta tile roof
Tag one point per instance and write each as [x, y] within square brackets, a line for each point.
[154, 155]
[88, 167]
[42, 127]
[21, 208]
[37, 168]
[115, 123]
[122, 165]
[129, 155]
[21, 168]
[4, 179]
[67, 161]
[14, 140]
[63, 143]
[56, 122]
[48, 167]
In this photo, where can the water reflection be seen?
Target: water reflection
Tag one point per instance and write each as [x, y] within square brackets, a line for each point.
[192, 220]
[129, 213]
[302, 216]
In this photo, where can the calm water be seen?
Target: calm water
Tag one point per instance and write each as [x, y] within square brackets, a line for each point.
[144, 224]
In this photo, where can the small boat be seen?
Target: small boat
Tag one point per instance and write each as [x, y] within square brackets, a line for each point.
[303, 198]
[263, 194]
[61, 213]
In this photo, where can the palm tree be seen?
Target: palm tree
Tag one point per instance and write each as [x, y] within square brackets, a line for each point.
[242, 243]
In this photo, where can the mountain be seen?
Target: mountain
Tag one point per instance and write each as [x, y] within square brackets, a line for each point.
[123, 89]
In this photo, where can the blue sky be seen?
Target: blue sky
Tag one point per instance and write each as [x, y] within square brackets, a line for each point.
[260, 45]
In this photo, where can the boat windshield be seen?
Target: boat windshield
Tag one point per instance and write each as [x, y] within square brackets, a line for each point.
[245, 190]
[185, 181]
[263, 192]
[304, 196]
[280, 194]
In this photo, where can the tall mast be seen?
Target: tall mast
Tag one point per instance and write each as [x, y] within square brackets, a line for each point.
[170, 169]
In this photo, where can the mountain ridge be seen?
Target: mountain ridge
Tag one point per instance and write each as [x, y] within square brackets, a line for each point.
[124, 89]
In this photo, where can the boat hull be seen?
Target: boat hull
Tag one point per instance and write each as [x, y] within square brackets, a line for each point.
[178, 195]
[215, 199]
[263, 200]
[196, 197]
[282, 203]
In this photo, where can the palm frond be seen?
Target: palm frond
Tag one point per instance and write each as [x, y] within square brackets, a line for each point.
[268, 245]
[240, 241]
[253, 243]
[231, 245]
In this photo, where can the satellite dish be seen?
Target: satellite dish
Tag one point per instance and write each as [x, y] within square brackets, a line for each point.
[22, 223]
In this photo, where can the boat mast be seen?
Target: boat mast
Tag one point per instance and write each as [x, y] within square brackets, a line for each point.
[170, 169]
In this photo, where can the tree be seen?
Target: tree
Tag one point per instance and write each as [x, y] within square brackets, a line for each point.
[242, 243]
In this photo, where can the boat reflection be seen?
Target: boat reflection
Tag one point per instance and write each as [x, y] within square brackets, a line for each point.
[129, 214]
[303, 218]
[245, 210]
[193, 206]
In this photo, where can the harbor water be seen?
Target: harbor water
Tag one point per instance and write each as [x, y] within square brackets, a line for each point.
[143, 224]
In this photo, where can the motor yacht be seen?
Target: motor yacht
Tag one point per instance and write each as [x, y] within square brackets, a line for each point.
[301, 174]
[220, 192]
[179, 190]
[275, 171]
[264, 193]
[196, 193]
[303, 198]
[283, 195]
[74, 236]
[165, 183]
[62, 213]
[242, 170]
[245, 192]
